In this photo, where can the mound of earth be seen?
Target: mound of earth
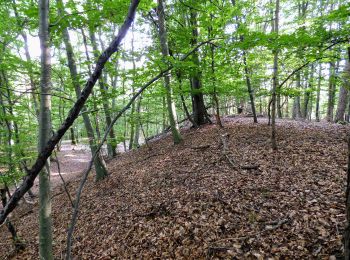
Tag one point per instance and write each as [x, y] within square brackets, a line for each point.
[194, 201]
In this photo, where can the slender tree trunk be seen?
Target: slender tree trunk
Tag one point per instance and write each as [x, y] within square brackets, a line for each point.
[95, 115]
[275, 82]
[165, 52]
[331, 92]
[318, 93]
[296, 103]
[343, 94]
[111, 143]
[249, 86]
[138, 123]
[307, 94]
[45, 220]
[132, 111]
[100, 167]
[72, 136]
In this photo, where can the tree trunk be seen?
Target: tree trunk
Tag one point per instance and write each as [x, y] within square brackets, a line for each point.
[318, 93]
[198, 106]
[296, 103]
[138, 123]
[331, 92]
[111, 143]
[343, 95]
[45, 220]
[165, 52]
[275, 82]
[307, 94]
[100, 168]
[249, 86]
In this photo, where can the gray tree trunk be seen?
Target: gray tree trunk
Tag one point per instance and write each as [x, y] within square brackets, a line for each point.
[45, 220]
[111, 143]
[275, 82]
[331, 92]
[343, 95]
[318, 94]
[250, 88]
[165, 52]
[296, 103]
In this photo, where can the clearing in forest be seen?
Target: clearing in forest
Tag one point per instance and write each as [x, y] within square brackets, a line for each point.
[192, 201]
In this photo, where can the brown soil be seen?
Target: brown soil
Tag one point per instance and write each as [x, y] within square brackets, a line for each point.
[189, 202]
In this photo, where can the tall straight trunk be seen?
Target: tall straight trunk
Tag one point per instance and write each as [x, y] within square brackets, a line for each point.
[45, 220]
[198, 106]
[249, 86]
[296, 104]
[111, 143]
[168, 90]
[100, 168]
[318, 93]
[331, 92]
[307, 87]
[95, 115]
[132, 111]
[343, 94]
[274, 82]
[138, 123]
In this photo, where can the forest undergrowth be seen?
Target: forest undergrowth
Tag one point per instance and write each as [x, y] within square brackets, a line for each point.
[197, 201]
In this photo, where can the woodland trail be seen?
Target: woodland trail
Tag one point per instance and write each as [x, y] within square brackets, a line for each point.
[189, 202]
[72, 160]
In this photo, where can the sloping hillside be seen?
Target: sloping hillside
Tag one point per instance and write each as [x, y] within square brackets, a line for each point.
[192, 202]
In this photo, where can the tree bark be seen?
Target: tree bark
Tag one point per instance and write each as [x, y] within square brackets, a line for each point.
[249, 86]
[165, 52]
[343, 93]
[111, 143]
[296, 103]
[198, 106]
[318, 93]
[45, 220]
[331, 92]
[275, 82]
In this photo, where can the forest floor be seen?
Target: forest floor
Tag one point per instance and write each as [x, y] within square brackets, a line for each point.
[193, 201]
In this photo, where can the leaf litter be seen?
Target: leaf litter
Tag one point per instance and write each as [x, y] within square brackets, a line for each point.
[189, 202]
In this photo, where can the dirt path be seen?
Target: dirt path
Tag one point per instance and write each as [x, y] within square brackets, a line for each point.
[72, 159]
